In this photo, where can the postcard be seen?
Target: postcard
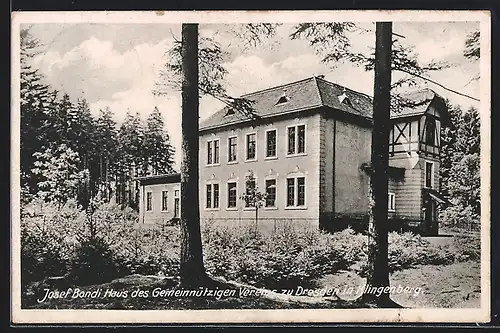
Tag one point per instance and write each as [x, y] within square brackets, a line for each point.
[250, 167]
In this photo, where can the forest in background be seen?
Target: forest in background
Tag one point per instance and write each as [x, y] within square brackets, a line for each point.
[68, 153]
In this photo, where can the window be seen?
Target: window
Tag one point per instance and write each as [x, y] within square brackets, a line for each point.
[216, 151]
[430, 132]
[291, 140]
[164, 200]
[296, 140]
[283, 99]
[213, 148]
[176, 203]
[296, 192]
[271, 143]
[209, 152]
[208, 197]
[212, 196]
[250, 188]
[271, 193]
[149, 201]
[232, 147]
[290, 192]
[429, 174]
[231, 195]
[251, 146]
[301, 191]
[216, 195]
[391, 202]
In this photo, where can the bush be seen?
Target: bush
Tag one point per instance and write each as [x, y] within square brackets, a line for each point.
[283, 259]
[408, 250]
[467, 248]
[458, 216]
[94, 262]
[46, 248]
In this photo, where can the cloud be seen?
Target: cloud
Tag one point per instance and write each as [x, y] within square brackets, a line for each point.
[251, 73]
[96, 70]
[429, 50]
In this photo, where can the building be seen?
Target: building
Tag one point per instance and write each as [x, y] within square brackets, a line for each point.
[308, 150]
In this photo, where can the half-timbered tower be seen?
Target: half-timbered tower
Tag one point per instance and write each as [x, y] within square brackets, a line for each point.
[415, 149]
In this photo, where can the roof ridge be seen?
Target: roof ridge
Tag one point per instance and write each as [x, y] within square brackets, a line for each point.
[276, 87]
[347, 88]
[318, 90]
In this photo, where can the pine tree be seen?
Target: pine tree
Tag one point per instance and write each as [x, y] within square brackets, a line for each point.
[130, 138]
[106, 157]
[35, 101]
[158, 153]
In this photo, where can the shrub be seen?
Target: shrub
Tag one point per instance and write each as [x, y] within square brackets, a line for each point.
[458, 216]
[466, 248]
[94, 262]
[408, 250]
[282, 259]
[46, 248]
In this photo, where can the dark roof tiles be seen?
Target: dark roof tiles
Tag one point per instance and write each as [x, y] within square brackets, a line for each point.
[311, 93]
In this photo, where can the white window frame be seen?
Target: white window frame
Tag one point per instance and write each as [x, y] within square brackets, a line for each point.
[228, 149]
[296, 191]
[393, 208]
[276, 143]
[164, 209]
[212, 142]
[432, 174]
[296, 148]
[212, 193]
[246, 147]
[227, 192]
[149, 209]
[275, 190]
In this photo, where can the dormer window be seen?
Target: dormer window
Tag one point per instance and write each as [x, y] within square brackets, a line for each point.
[283, 99]
[229, 112]
[343, 99]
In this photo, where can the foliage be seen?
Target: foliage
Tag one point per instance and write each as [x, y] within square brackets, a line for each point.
[211, 59]
[472, 48]
[408, 250]
[158, 152]
[332, 42]
[59, 174]
[283, 259]
[458, 216]
[460, 168]
[252, 196]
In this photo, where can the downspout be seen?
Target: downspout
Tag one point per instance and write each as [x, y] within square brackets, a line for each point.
[334, 165]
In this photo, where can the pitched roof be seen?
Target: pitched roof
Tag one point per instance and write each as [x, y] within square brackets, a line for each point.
[160, 179]
[421, 99]
[310, 93]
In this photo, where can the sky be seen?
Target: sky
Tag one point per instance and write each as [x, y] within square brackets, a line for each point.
[117, 65]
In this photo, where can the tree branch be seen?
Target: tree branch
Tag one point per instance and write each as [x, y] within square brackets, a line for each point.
[437, 83]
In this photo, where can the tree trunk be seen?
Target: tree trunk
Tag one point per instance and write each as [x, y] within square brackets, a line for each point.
[192, 270]
[378, 271]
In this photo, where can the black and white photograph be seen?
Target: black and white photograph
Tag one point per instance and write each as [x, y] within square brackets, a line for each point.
[322, 166]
